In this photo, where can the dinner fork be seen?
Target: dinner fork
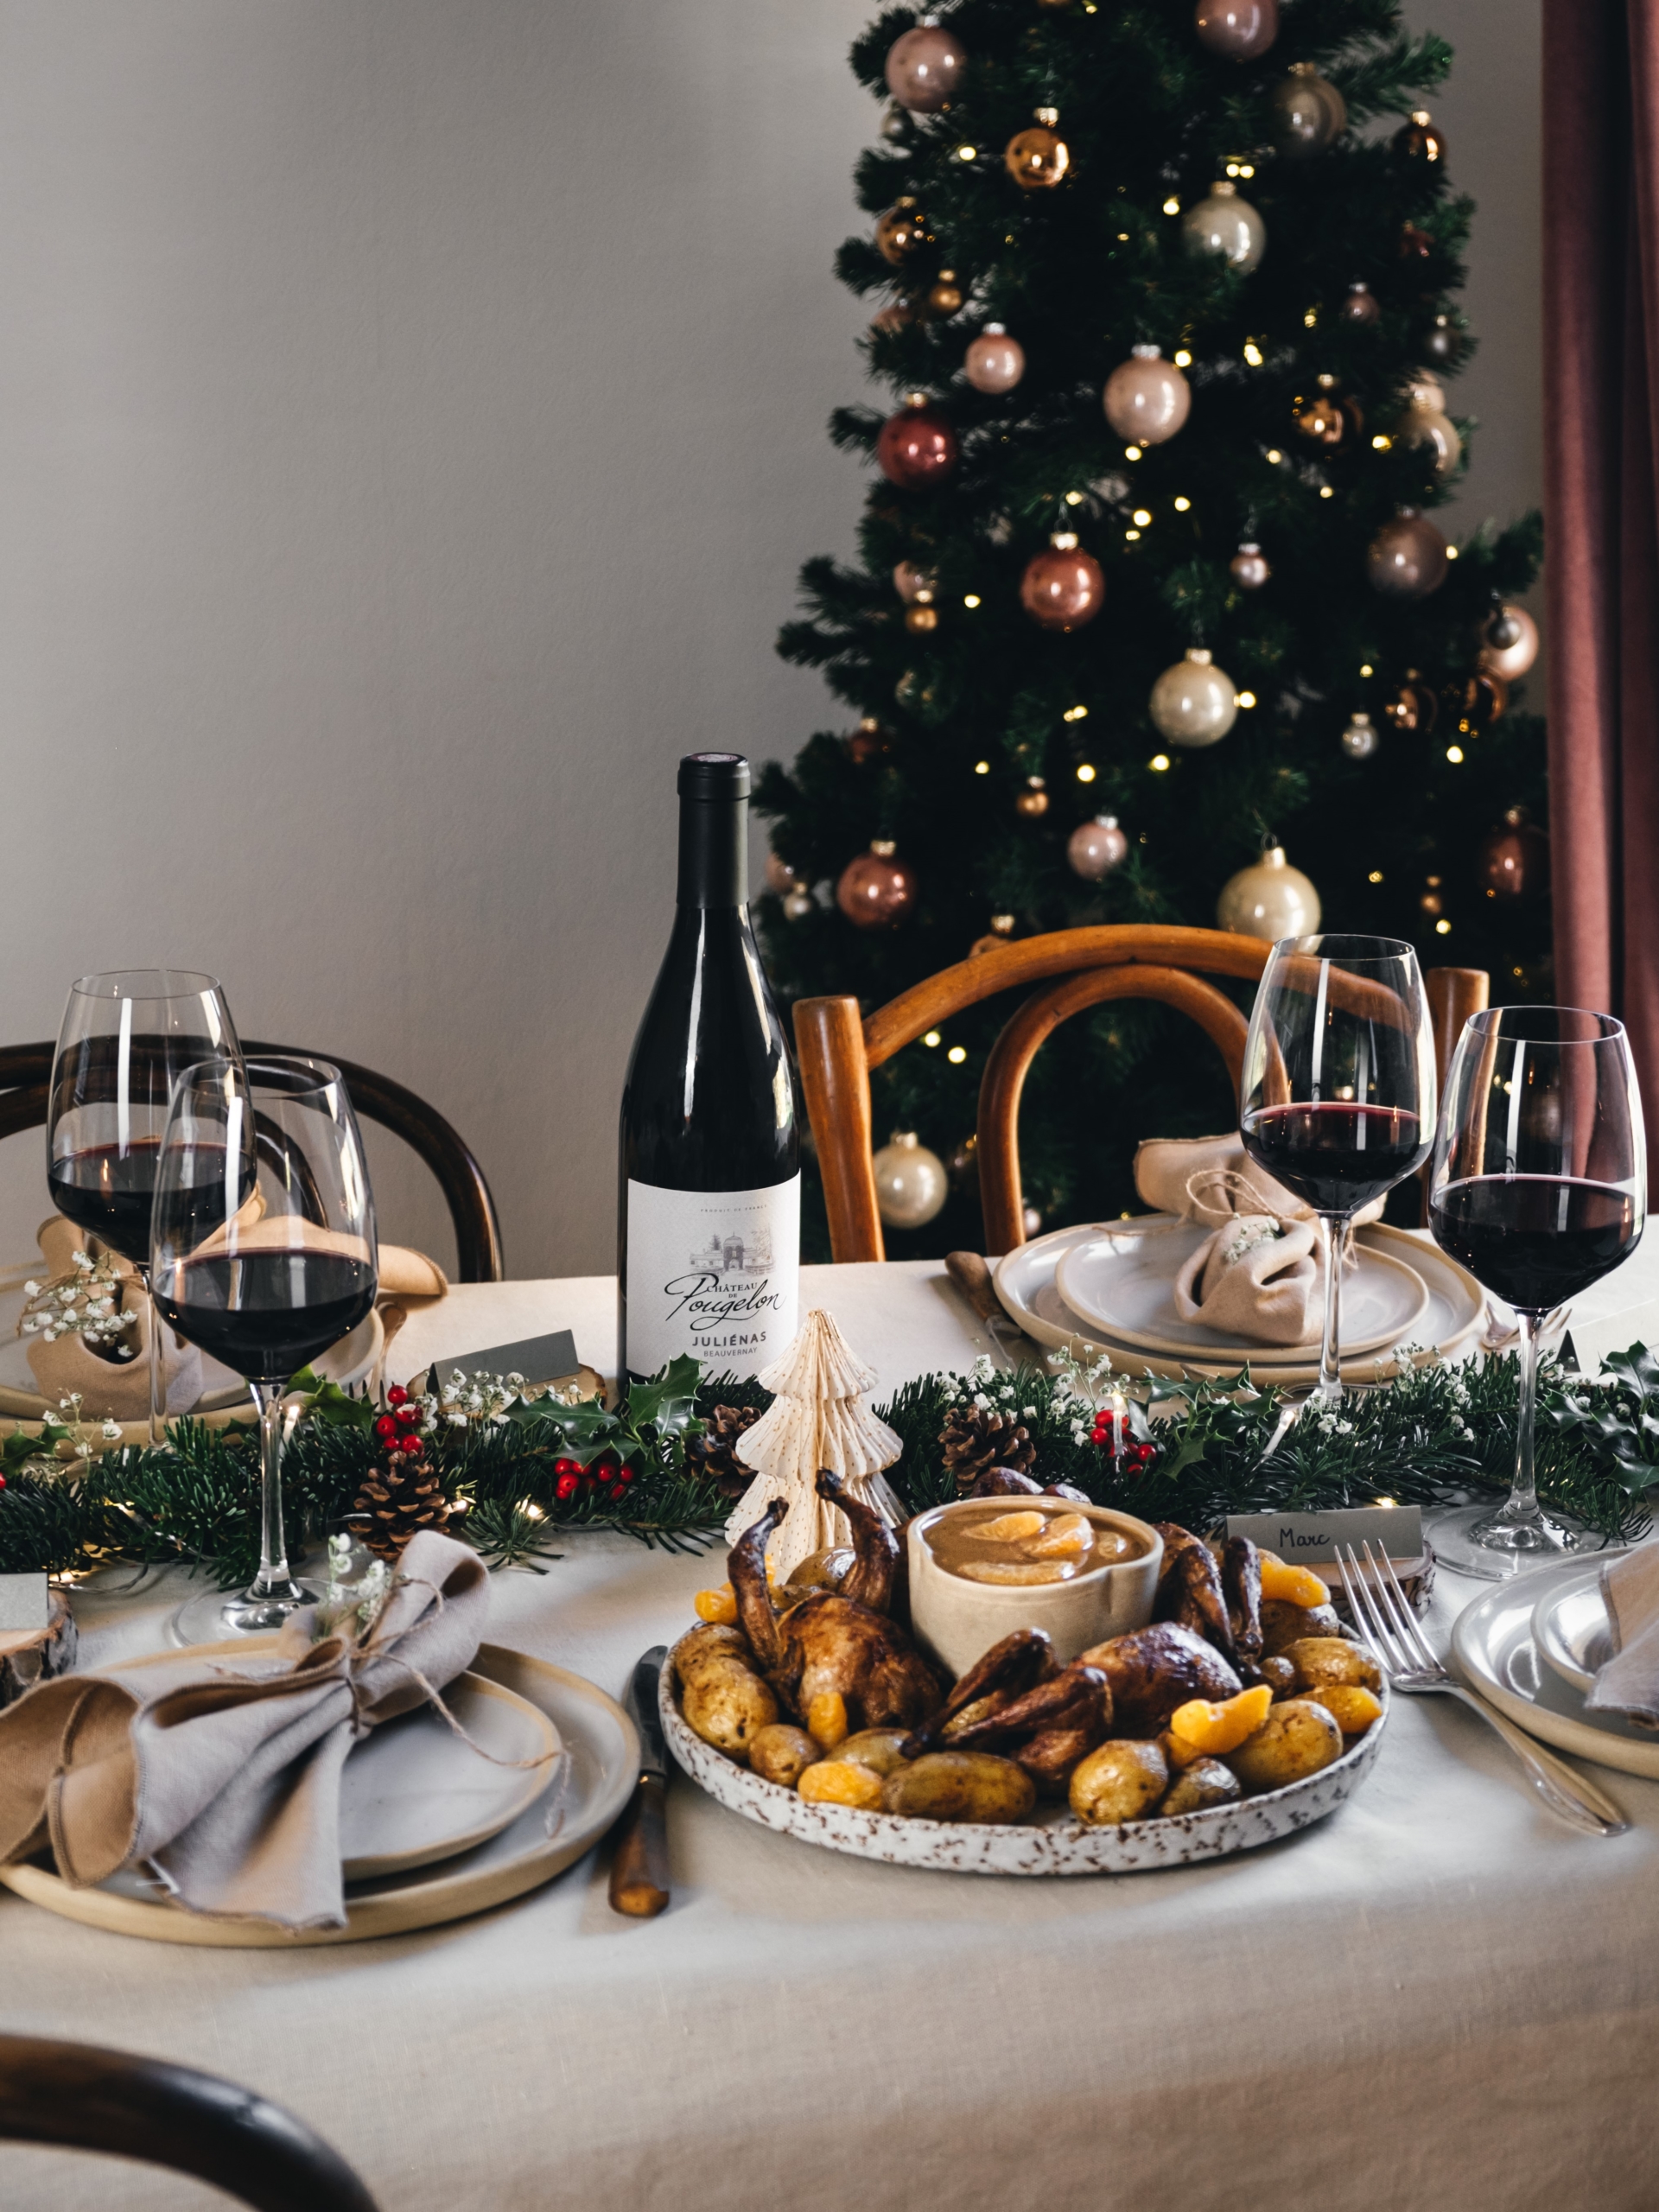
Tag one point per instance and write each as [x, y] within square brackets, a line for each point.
[1382, 1607]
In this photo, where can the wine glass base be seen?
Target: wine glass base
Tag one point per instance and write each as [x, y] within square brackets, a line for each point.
[218, 1615]
[1476, 1540]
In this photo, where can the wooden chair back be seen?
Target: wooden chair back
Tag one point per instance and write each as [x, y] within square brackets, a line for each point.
[1075, 969]
[80, 2098]
[26, 1071]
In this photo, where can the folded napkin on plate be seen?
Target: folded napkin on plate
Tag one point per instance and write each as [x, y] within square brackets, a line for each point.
[1629, 1682]
[1261, 1273]
[223, 1775]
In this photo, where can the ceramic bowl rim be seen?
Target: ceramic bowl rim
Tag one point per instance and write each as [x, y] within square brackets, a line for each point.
[1021, 1592]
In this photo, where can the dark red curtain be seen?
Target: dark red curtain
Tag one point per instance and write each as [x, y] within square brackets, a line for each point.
[1601, 397]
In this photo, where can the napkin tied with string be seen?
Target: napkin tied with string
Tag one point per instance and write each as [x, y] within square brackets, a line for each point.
[1261, 1273]
[1628, 1682]
[223, 1775]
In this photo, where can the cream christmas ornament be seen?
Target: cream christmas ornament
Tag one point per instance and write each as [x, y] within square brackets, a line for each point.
[1359, 738]
[994, 362]
[1194, 702]
[1426, 423]
[911, 1183]
[1508, 643]
[1270, 900]
[1147, 397]
[1226, 225]
[816, 1419]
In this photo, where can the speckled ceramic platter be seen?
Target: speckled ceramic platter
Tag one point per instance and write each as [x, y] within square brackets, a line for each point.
[1054, 1844]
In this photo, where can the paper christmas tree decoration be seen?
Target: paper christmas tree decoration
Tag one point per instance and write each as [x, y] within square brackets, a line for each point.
[818, 1419]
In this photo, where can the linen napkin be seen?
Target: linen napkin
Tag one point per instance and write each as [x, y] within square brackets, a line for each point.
[1261, 1273]
[1628, 1682]
[223, 1777]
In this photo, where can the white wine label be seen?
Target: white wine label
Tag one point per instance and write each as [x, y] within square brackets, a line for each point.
[716, 1273]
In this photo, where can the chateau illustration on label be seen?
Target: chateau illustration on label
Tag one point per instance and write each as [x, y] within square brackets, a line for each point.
[736, 1254]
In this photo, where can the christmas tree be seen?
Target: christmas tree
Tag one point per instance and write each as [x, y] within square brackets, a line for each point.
[1165, 301]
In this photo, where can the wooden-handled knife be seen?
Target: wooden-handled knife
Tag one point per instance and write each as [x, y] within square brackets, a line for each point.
[639, 1840]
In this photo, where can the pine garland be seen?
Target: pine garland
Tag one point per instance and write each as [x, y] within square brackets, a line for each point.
[1434, 1436]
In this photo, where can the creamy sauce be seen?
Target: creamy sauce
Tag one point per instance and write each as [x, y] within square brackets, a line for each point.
[1019, 1541]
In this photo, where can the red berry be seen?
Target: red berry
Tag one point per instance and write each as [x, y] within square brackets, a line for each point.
[385, 1428]
[408, 1444]
[397, 1395]
[617, 1492]
[2, 1482]
[627, 1474]
[408, 1416]
[566, 1467]
[565, 1487]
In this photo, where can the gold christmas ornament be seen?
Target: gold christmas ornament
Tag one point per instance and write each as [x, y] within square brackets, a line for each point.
[1309, 113]
[1194, 703]
[911, 1183]
[1323, 421]
[1510, 643]
[1419, 140]
[1037, 157]
[1032, 802]
[797, 903]
[1268, 899]
[1360, 739]
[921, 619]
[901, 232]
[1226, 225]
[1426, 423]
[946, 295]
[1147, 398]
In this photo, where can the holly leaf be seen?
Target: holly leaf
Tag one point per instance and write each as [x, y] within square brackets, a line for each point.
[326, 1401]
[669, 1401]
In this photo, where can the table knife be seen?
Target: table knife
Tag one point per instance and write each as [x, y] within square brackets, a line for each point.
[972, 1274]
[639, 1840]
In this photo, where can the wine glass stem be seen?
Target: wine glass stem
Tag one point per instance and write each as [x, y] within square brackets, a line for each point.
[1335, 1226]
[273, 1548]
[1522, 1504]
[158, 1386]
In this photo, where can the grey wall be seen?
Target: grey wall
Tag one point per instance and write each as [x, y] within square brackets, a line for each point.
[411, 421]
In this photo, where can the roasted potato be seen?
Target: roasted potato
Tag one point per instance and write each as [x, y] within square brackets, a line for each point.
[780, 1753]
[959, 1786]
[1283, 1622]
[698, 1646]
[1121, 1781]
[1205, 1783]
[876, 1748]
[1295, 1740]
[1324, 1661]
[728, 1704]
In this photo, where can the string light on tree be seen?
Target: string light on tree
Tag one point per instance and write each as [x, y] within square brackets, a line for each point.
[1147, 398]
[924, 69]
[1227, 226]
[1194, 703]
[1038, 158]
[994, 362]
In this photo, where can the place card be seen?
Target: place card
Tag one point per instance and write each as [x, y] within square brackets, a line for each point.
[539, 1359]
[25, 1607]
[1305, 1539]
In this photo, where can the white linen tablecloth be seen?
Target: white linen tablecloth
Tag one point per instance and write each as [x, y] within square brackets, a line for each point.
[1440, 1999]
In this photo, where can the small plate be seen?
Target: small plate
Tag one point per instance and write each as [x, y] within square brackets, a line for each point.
[592, 1782]
[1025, 1282]
[1121, 1277]
[1493, 1646]
[1570, 1629]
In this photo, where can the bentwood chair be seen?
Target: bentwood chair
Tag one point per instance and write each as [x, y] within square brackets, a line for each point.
[79, 2098]
[26, 1071]
[1074, 969]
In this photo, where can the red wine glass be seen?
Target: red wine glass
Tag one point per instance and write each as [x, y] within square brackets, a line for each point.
[126, 1038]
[1539, 1188]
[262, 1254]
[1337, 1098]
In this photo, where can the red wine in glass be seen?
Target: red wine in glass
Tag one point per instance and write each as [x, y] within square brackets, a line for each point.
[108, 1192]
[1534, 1240]
[269, 1313]
[1335, 1157]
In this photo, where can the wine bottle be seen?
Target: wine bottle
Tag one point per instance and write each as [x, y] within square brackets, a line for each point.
[708, 1226]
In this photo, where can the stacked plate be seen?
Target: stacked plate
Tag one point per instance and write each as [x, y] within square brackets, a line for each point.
[1109, 1286]
[432, 1828]
[1532, 1646]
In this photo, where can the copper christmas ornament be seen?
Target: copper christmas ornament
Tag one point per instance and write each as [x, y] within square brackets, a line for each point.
[1063, 587]
[1239, 28]
[876, 889]
[1407, 559]
[924, 69]
[916, 449]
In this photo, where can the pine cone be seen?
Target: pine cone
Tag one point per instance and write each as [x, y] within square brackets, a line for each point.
[978, 1437]
[395, 1502]
[714, 1454]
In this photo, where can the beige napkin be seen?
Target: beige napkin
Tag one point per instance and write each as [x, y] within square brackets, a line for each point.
[1260, 1274]
[1629, 1682]
[223, 1776]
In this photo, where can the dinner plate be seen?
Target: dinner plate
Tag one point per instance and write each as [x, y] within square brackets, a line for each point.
[1571, 1628]
[1025, 1282]
[1497, 1654]
[1055, 1843]
[1121, 1279]
[591, 1784]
